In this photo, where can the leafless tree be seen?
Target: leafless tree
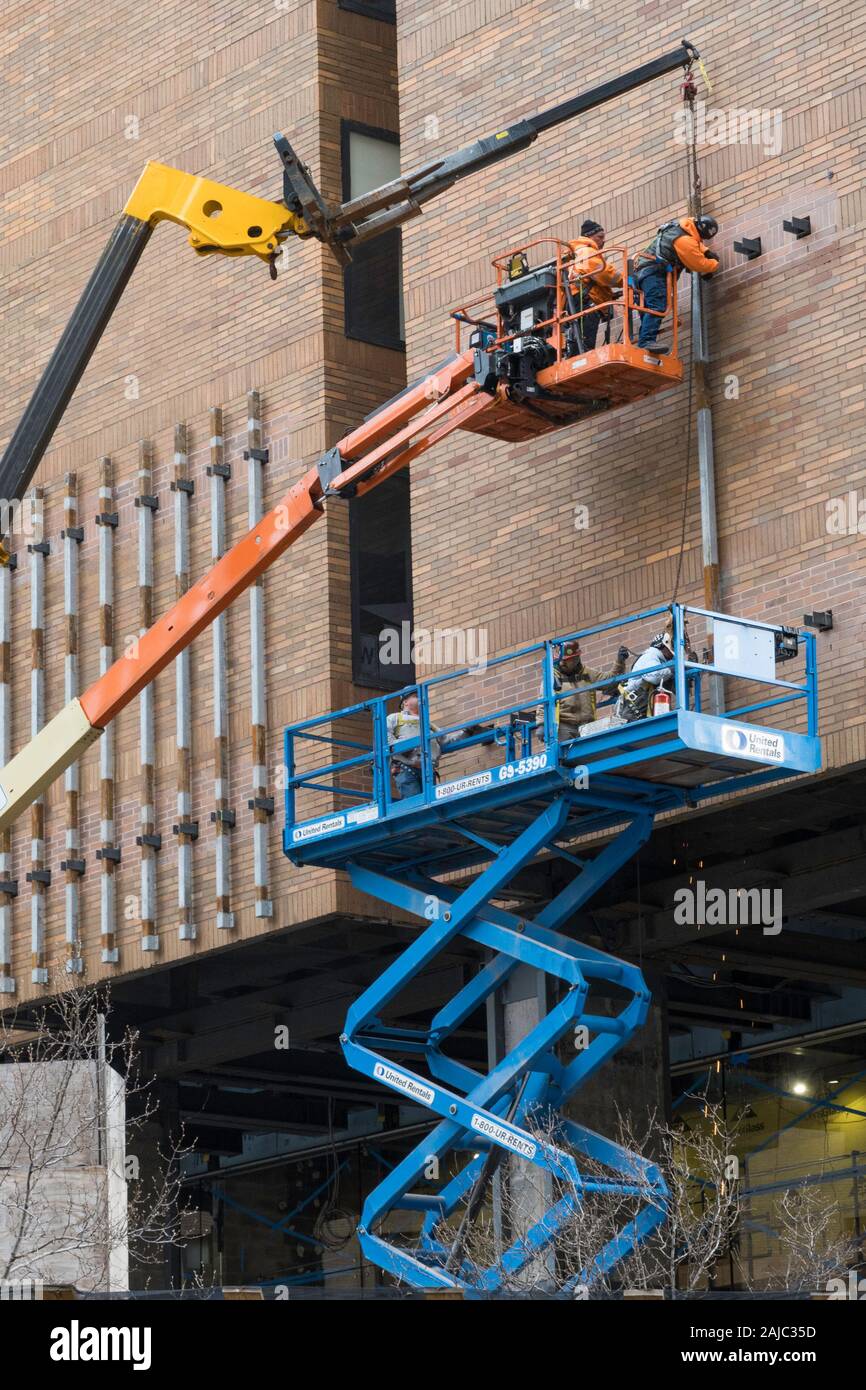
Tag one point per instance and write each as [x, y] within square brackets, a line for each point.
[702, 1207]
[810, 1247]
[697, 1226]
[75, 1205]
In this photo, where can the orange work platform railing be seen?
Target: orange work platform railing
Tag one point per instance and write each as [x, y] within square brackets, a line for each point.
[536, 350]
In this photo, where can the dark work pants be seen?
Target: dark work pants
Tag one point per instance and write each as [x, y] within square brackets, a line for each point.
[654, 286]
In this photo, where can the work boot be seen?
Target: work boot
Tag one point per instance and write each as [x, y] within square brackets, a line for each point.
[659, 351]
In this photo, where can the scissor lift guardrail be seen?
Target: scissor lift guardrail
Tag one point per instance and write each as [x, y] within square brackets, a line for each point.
[537, 796]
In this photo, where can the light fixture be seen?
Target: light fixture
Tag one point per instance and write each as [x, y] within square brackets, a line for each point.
[799, 1088]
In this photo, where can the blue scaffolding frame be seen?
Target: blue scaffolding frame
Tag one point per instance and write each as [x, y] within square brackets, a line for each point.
[543, 794]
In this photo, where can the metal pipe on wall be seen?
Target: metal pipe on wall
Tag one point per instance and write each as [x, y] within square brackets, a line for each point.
[147, 503]
[258, 693]
[183, 490]
[38, 876]
[73, 864]
[222, 817]
[714, 691]
[108, 854]
[7, 980]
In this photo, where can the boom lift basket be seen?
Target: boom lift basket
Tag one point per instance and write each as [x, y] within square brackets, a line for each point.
[527, 345]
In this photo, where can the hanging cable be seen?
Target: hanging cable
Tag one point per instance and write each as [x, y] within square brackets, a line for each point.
[689, 93]
[334, 1225]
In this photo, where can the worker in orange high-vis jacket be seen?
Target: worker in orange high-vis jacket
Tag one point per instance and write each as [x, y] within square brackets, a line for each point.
[679, 245]
[591, 280]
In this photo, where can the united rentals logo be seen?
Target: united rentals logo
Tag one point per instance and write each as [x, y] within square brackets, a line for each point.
[407, 1084]
[754, 743]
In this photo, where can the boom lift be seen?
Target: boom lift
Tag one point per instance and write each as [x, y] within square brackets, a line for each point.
[228, 222]
[511, 385]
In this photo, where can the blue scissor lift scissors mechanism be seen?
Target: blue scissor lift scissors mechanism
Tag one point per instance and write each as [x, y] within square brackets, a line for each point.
[446, 855]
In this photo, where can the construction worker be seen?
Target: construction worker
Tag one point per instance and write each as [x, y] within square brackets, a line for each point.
[637, 694]
[569, 673]
[590, 281]
[406, 765]
[679, 245]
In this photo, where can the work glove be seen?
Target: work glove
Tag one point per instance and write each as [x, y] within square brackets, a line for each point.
[622, 654]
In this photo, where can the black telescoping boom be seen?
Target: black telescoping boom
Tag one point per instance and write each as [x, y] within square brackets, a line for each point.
[229, 222]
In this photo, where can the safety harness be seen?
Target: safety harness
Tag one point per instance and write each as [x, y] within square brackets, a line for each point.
[636, 703]
[404, 760]
[660, 250]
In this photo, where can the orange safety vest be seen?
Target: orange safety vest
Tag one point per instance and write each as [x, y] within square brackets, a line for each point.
[679, 247]
[591, 273]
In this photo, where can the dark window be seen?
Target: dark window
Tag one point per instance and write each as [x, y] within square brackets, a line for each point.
[373, 282]
[374, 9]
[380, 548]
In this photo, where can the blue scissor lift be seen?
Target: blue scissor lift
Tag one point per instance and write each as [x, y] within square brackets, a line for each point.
[524, 795]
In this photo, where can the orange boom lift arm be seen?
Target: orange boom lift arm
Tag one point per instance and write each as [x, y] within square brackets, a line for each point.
[399, 432]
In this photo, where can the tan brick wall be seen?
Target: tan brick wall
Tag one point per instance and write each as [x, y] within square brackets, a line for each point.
[208, 84]
[494, 541]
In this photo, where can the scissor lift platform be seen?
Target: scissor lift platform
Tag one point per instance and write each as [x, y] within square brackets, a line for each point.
[658, 764]
[522, 793]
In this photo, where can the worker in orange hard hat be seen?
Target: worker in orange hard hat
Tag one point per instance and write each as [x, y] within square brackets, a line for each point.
[591, 280]
[679, 245]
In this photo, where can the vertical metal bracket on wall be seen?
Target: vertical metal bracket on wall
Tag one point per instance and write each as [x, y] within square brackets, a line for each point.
[256, 458]
[219, 472]
[7, 979]
[707, 477]
[183, 490]
[147, 503]
[72, 865]
[107, 521]
[38, 550]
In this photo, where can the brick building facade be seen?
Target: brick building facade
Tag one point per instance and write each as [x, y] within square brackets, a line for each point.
[494, 541]
[786, 345]
[202, 89]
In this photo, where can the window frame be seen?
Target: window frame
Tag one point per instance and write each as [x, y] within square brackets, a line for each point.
[403, 675]
[348, 128]
[369, 11]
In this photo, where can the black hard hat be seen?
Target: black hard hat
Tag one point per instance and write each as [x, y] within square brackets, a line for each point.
[590, 228]
[707, 226]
